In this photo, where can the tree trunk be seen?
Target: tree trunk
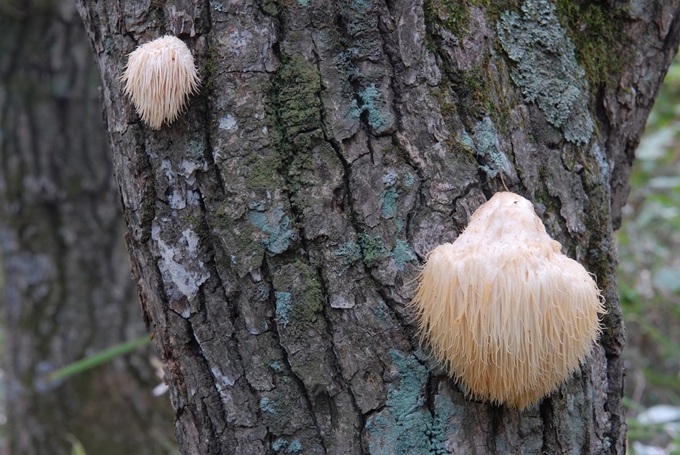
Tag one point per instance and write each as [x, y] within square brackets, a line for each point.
[277, 227]
[68, 291]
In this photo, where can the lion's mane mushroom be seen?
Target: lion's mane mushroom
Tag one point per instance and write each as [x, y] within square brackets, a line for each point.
[159, 77]
[506, 312]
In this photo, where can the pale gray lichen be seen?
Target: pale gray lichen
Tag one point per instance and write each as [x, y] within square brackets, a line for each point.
[179, 263]
[546, 70]
[602, 162]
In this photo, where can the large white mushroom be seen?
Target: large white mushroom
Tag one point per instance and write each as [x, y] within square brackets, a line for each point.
[509, 315]
[159, 77]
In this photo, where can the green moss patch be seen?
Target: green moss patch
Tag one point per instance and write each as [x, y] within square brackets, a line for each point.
[295, 96]
[299, 297]
[263, 172]
[597, 33]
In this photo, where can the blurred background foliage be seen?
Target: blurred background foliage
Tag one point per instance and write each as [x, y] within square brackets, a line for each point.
[649, 279]
[67, 291]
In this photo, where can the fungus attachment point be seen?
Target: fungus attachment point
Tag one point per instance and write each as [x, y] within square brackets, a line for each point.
[506, 312]
[159, 77]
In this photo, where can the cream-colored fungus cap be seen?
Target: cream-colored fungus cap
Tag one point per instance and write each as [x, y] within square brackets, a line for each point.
[159, 77]
[506, 312]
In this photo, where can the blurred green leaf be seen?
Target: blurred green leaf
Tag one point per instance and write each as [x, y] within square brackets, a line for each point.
[76, 446]
[99, 358]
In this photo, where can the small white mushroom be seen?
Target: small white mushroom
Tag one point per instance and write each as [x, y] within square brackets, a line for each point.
[508, 315]
[159, 77]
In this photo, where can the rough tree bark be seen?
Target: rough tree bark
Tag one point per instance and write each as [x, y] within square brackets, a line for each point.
[276, 228]
[68, 291]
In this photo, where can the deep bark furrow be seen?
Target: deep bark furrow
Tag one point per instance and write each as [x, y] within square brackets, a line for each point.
[347, 200]
[306, 393]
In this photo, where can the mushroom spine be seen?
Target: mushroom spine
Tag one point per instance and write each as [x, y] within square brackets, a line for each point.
[507, 314]
[159, 77]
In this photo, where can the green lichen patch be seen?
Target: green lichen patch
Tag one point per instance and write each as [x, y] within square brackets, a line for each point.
[279, 444]
[405, 425]
[445, 410]
[299, 297]
[267, 405]
[406, 396]
[409, 180]
[373, 249]
[359, 39]
[403, 253]
[546, 70]
[283, 307]
[196, 151]
[279, 227]
[397, 188]
[388, 202]
[262, 292]
[486, 147]
[357, 15]
[380, 119]
[350, 252]
[402, 426]
[295, 447]
[283, 446]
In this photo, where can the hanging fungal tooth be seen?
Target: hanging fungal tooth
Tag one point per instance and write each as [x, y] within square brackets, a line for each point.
[507, 314]
[159, 77]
